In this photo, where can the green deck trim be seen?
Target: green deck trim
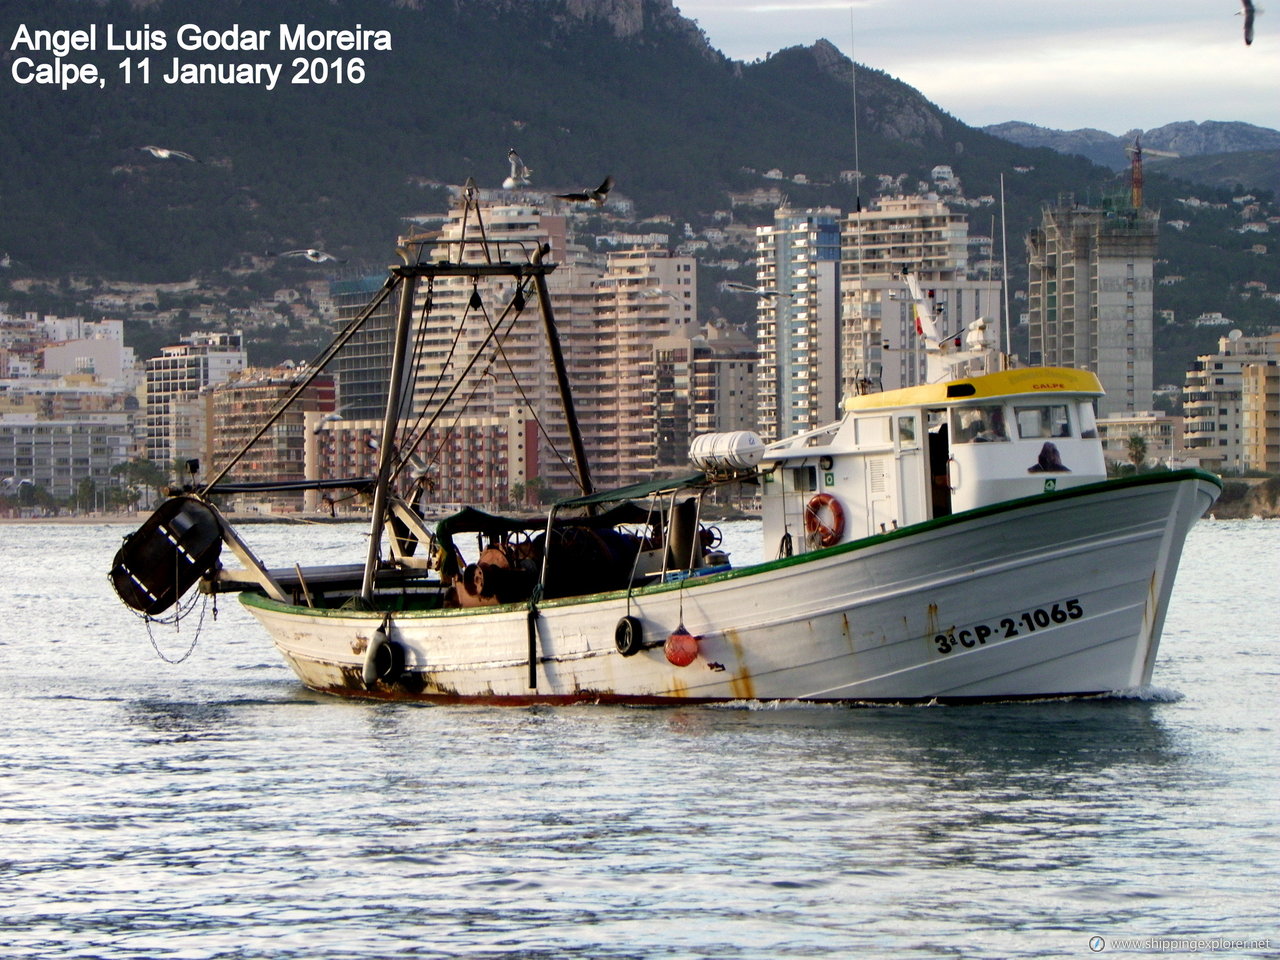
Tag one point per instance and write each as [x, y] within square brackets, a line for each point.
[1140, 480]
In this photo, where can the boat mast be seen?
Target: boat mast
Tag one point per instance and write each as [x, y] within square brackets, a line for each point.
[409, 275]
[390, 424]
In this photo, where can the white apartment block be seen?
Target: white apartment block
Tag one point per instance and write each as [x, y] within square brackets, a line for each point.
[880, 345]
[1214, 400]
[798, 321]
[97, 350]
[174, 380]
[58, 455]
[1160, 432]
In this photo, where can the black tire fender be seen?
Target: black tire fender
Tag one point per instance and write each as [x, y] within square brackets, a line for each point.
[628, 636]
[388, 661]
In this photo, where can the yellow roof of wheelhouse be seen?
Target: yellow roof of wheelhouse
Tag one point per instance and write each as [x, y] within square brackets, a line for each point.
[1021, 381]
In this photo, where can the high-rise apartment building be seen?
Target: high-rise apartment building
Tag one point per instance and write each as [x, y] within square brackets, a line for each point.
[703, 382]
[361, 365]
[880, 345]
[177, 376]
[1090, 297]
[59, 455]
[643, 296]
[798, 318]
[497, 364]
[1214, 402]
[1260, 385]
[497, 361]
[242, 405]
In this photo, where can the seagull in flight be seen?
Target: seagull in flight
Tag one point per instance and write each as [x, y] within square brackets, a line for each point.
[519, 172]
[596, 196]
[164, 153]
[766, 292]
[1248, 12]
[312, 254]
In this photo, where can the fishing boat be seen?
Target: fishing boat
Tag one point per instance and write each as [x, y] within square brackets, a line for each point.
[954, 541]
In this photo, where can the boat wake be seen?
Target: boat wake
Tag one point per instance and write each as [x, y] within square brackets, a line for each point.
[1148, 694]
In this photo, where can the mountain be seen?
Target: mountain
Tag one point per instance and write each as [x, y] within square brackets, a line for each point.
[1213, 152]
[1238, 172]
[1186, 138]
[582, 88]
[1105, 149]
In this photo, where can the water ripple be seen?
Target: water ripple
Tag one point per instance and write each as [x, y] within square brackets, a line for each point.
[217, 810]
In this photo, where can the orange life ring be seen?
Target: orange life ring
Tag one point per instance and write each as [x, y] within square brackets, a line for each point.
[829, 531]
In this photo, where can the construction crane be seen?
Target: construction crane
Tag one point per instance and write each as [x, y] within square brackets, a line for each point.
[1135, 171]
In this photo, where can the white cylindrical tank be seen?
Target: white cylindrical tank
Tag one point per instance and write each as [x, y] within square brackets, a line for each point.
[720, 452]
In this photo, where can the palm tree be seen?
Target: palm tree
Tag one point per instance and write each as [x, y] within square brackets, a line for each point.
[142, 473]
[1137, 452]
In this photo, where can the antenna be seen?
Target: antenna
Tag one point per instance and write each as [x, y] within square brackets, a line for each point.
[853, 83]
[862, 381]
[1004, 271]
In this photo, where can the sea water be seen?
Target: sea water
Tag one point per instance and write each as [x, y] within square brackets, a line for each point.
[213, 808]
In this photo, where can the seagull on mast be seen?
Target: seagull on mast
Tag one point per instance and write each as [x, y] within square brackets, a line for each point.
[1248, 12]
[312, 254]
[519, 172]
[164, 153]
[596, 196]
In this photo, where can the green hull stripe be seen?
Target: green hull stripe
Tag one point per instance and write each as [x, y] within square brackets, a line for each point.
[1085, 490]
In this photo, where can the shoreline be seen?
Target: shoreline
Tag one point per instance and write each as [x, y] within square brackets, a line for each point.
[138, 519]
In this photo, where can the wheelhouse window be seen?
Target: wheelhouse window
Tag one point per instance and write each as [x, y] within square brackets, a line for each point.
[979, 423]
[907, 432]
[1046, 420]
[804, 479]
[1088, 423]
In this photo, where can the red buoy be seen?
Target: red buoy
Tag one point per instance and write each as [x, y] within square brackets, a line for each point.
[681, 647]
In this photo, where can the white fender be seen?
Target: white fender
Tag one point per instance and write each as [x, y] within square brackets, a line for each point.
[370, 672]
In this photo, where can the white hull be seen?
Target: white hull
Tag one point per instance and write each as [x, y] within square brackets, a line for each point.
[1056, 595]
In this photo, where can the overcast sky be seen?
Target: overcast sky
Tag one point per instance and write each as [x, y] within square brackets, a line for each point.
[1111, 64]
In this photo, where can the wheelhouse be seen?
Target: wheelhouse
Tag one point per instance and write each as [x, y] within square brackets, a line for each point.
[919, 453]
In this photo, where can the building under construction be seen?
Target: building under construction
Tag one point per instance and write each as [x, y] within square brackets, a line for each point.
[1090, 296]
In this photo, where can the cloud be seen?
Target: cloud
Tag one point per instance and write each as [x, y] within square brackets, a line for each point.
[1100, 63]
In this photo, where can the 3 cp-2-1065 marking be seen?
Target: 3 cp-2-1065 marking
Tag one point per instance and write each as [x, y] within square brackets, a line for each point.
[1026, 622]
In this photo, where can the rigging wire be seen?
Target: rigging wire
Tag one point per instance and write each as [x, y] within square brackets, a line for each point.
[542, 427]
[419, 348]
[325, 356]
[500, 352]
[457, 385]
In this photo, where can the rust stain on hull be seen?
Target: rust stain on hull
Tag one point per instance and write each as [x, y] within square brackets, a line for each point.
[741, 684]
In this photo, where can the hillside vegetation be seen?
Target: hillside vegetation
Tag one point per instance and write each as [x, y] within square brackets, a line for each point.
[582, 88]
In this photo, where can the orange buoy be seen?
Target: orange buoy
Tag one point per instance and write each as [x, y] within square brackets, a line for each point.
[681, 647]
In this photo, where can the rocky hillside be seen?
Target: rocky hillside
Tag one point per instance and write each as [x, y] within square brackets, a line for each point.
[582, 88]
[1244, 499]
[1186, 138]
